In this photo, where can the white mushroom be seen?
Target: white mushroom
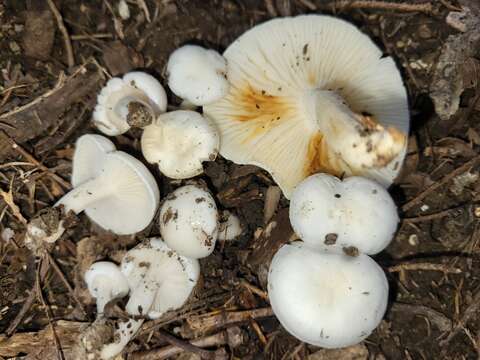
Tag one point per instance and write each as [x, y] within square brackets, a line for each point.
[230, 227]
[87, 163]
[105, 282]
[189, 221]
[312, 94]
[179, 141]
[326, 299]
[122, 196]
[327, 212]
[160, 280]
[197, 74]
[134, 100]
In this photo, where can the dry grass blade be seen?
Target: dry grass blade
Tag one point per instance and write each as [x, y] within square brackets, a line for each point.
[8, 198]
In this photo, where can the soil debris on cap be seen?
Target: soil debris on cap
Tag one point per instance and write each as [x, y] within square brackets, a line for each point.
[351, 251]
[331, 239]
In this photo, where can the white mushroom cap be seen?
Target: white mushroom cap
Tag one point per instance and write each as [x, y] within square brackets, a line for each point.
[123, 198]
[112, 109]
[197, 74]
[327, 212]
[89, 149]
[230, 227]
[326, 299]
[301, 89]
[105, 282]
[179, 141]
[160, 279]
[189, 221]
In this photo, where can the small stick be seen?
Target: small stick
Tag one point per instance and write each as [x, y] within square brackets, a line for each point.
[48, 311]
[259, 332]
[470, 311]
[91, 36]
[429, 217]
[379, 5]
[424, 266]
[186, 346]
[254, 289]
[63, 30]
[208, 322]
[59, 272]
[34, 161]
[271, 8]
[231, 336]
[460, 170]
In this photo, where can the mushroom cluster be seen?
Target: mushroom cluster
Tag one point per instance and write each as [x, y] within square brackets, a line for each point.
[326, 290]
[307, 98]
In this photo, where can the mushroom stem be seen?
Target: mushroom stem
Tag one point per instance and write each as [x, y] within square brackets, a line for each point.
[124, 333]
[135, 107]
[104, 294]
[85, 195]
[141, 298]
[357, 140]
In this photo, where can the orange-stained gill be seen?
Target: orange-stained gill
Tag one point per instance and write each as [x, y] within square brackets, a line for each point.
[317, 157]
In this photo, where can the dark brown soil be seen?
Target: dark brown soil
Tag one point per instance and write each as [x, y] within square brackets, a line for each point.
[433, 263]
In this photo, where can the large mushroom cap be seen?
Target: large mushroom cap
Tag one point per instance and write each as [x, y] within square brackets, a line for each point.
[179, 141]
[87, 161]
[327, 212]
[123, 198]
[326, 299]
[189, 221]
[159, 278]
[308, 94]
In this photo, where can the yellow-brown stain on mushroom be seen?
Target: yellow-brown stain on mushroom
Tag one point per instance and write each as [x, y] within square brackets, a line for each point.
[317, 157]
[260, 108]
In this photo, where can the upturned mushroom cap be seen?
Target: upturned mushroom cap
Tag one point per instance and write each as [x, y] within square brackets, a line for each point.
[312, 94]
[179, 141]
[326, 299]
[89, 149]
[197, 74]
[105, 282]
[327, 212]
[160, 279]
[137, 98]
[189, 221]
[122, 198]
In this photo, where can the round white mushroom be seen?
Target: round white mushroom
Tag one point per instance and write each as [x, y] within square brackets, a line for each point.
[105, 282]
[179, 141]
[160, 280]
[122, 196]
[230, 227]
[189, 221]
[198, 75]
[312, 94]
[327, 212]
[134, 100]
[326, 299]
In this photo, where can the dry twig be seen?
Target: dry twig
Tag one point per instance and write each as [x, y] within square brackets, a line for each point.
[233, 336]
[377, 5]
[469, 312]
[425, 267]
[63, 30]
[460, 170]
